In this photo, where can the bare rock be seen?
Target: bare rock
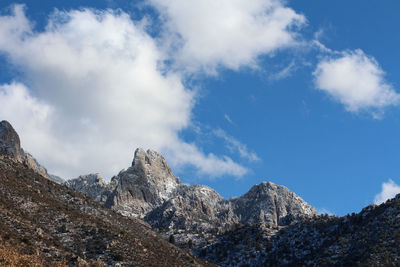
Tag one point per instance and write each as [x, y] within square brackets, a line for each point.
[10, 143]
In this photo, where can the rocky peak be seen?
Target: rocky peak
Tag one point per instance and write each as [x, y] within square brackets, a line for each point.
[273, 204]
[9, 142]
[148, 189]
[148, 183]
[153, 167]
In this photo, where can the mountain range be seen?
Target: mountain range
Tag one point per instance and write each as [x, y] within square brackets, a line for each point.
[89, 220]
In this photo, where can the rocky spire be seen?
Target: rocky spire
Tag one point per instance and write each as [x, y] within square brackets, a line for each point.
[148, 183]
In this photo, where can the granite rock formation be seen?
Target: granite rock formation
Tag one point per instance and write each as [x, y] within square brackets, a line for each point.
[149, 190]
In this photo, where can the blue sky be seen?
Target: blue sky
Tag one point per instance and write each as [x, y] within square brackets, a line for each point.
[300, 93]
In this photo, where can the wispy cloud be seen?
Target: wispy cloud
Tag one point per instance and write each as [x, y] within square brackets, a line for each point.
[389, 190]
[228, 119]
[285, 72]
[235, 146]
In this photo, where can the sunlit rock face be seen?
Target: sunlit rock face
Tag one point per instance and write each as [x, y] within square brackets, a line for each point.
[147, 184]
[149, 190]
[272, 204]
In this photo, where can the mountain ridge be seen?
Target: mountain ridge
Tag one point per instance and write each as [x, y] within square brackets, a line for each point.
[149, 190]
[269, 225]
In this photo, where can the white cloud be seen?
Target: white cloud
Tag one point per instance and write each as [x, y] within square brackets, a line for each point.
[94, 91]
[226, 33]
[389, 190]
[235, 146]
[357, 81]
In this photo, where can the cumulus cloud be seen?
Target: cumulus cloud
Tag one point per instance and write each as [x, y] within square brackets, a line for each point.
[357, 81]
[91, 90]
[389, 190]
[235, 146]
[226, 33]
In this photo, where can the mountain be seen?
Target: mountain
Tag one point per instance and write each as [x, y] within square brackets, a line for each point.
[10, 145]
[149, 190]
[272, 204]
[268, 226]
[191, 217]
[44, 223]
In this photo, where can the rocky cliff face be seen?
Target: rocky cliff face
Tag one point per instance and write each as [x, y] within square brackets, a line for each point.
[149, 190]
[193, 207]
[10, 145]
[147, 184]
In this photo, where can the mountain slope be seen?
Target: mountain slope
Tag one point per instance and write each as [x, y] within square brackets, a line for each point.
[370, 238]
[54, 223]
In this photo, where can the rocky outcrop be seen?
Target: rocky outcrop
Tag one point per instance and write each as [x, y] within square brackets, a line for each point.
[32, 163]
[10, 145]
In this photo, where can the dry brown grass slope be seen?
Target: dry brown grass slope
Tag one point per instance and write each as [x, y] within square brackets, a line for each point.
[44, 224]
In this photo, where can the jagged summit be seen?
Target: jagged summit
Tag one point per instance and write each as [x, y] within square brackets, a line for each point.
[148, 183]
[151, 166]
[148, 189]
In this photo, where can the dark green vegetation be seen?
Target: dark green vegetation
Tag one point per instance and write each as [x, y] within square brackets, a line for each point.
[49, 222]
